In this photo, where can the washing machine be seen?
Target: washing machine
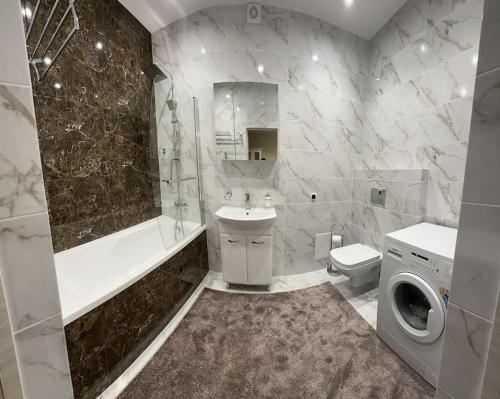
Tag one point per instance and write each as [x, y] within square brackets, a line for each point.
[413, 295]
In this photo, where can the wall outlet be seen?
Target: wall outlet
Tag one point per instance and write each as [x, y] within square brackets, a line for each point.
[377, 196]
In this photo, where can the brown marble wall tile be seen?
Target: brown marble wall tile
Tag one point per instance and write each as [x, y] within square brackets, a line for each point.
[107, 340]
[99, 162]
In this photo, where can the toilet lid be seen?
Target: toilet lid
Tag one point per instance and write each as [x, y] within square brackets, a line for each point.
[354, 255]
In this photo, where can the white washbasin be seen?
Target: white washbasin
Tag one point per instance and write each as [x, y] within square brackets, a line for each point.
[243, 216]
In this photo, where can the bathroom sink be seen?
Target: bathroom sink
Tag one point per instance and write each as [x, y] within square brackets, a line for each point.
[246, 217]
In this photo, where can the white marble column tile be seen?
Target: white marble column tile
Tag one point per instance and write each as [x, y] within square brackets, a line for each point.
[21, 183]
[8, 363]
[476, 271]
[27, 269]
[483, 160]
[466, 341]
[43, 360]
[12, 46]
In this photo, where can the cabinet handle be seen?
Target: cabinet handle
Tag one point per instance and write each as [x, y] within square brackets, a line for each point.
[257, 242]
[232, 241]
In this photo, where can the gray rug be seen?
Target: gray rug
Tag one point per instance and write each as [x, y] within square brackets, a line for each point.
[307, 344]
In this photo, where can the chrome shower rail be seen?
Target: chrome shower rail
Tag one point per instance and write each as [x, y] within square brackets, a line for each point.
[35, 60]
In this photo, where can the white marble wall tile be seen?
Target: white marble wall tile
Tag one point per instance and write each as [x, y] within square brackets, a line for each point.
[306, 74]
[443, 199]
[397, 159]
[394, 135]
[350, 53]
[458, 31]
[318, 217]
[327, 190]
[214, 260]
[446, 162]
[378, 220]
[476, 275]
[305, 38]
[415, 198]
[348, 140]
[298, 262]
[206, 34]
[491, 383]
[13, 47]
[243, 66]
[490, 45]
[21, 183]
[346, 112]
[450, 81]
[311, 164]
[409, 175]
[28, 271]
[43, 360]
[483, 161]
[301, 135]
[434, 11]
[298, 240]
[8, 365]
[466, 342]
[446, 123]
[359, 235]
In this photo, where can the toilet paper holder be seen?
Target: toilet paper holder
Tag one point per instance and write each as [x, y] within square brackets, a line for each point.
[338, 238]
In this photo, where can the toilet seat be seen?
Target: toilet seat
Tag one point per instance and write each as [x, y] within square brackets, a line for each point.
[352, 256]
[359, 262]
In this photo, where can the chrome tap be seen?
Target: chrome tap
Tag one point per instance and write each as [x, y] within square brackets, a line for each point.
[247, 201]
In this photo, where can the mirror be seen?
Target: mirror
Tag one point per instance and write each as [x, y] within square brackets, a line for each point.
[246, 121]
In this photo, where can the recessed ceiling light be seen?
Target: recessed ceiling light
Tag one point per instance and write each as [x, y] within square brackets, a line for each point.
[228, 96]
[463, 92]
[99, 46]
[348, 3]
[203, 50]
[423, 48]
[47, 61]
[57, 85]
[260, 68]
[26, 11]
[315, 57]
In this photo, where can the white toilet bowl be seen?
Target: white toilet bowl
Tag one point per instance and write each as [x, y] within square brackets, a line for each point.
[359, 262]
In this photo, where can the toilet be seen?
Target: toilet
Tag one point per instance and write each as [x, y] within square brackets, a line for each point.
[359, 262]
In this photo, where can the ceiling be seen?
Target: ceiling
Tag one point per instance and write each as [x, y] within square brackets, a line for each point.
[363, 18]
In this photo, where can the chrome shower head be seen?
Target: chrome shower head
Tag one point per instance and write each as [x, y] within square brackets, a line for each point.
[154, 73]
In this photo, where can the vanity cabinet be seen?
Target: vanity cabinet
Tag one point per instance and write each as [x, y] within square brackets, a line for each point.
[247, 259]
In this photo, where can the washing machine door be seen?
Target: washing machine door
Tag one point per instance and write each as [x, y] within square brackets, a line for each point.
[416, 307]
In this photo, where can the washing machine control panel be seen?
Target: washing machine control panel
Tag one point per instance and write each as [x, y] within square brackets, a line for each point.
[421, 261]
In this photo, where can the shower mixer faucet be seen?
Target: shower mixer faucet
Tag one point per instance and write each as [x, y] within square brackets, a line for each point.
[247, 201]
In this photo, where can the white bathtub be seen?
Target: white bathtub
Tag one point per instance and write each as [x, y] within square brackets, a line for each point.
[92, 273]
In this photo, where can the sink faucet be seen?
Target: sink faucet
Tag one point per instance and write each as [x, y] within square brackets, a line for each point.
[247, 201]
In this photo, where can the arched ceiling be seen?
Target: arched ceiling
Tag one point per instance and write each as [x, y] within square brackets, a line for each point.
[363, 17]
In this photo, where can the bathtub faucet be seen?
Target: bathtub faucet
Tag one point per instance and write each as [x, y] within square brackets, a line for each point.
[182, 204]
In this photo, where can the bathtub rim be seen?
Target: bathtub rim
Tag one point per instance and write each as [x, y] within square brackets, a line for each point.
[69, 317]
